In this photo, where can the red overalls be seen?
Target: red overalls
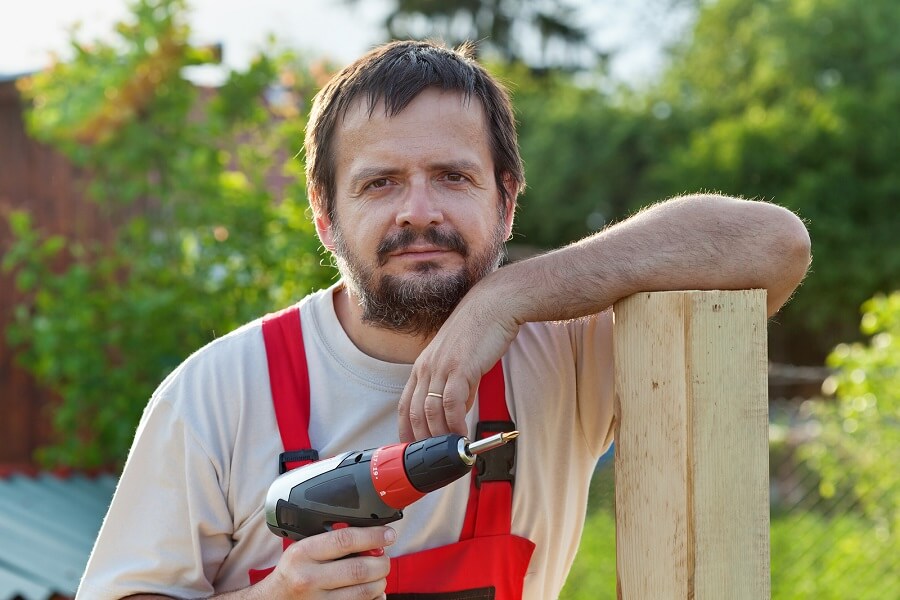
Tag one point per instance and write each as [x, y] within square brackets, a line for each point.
[488, 562]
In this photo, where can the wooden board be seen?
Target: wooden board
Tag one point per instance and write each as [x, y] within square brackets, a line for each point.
[692, 479]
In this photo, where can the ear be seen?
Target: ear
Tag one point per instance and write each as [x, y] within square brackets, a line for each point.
[512, 193]
[322, 221]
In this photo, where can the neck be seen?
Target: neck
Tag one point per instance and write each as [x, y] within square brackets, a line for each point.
[377, 342]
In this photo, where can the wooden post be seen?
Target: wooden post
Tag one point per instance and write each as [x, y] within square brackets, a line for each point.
[692, 477]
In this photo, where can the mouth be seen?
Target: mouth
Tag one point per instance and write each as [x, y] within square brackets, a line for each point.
[420, 252]
[431, 245]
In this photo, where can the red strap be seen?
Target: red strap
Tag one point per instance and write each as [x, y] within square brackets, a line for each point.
[492, 395]
[489, 511]
[288, 378]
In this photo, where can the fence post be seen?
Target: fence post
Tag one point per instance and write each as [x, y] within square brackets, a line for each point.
[692, 478]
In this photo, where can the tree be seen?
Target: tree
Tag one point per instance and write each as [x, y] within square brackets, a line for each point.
[586, 153]
[211, 247]
[508, 29]
[795, 101]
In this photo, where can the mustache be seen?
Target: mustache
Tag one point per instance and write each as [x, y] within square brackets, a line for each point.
[446, 240]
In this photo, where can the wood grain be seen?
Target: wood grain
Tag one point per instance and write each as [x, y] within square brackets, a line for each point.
[692, 510]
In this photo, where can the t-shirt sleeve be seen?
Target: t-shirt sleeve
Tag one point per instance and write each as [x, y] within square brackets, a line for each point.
[595, 373]
[168, 528]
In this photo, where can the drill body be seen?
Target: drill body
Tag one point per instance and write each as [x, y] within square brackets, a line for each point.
[369, 487]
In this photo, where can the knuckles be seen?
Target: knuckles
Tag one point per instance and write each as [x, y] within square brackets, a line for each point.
[434, 407]
[344, 540]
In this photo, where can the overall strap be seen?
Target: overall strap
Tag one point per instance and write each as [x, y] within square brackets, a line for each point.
[489, 511]
[289, 381]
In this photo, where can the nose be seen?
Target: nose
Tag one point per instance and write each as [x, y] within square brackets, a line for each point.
[420, 207]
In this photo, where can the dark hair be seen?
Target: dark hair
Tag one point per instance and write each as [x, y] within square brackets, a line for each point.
[396, 73]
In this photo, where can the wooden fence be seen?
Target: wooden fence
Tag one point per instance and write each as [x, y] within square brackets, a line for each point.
[35, 178]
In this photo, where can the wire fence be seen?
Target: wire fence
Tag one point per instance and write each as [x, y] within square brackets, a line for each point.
[835, 530]
[833, 536]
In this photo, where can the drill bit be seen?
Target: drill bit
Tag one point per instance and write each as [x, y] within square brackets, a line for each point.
[492, 442]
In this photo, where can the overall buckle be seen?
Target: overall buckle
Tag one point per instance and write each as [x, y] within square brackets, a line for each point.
[284, 458]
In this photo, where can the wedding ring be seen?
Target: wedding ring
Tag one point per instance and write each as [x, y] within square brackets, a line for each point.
[435, 395]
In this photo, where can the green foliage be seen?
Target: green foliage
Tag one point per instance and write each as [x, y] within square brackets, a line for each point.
[858, 447]
[792, 101]
[586, 152]
[210, 248]
[795, 101]
[811, 557]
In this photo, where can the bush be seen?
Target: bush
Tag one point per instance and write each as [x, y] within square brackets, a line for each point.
[211, 248]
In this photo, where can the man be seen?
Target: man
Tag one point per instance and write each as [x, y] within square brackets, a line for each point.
[413, 174]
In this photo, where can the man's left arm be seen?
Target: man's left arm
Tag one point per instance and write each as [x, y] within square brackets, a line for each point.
[701, 242]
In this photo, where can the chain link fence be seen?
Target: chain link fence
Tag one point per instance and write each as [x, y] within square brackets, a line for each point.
[835, 534]
[835, 526]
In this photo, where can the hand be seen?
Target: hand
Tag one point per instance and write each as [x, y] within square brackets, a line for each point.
[320, 566]
[445, 377]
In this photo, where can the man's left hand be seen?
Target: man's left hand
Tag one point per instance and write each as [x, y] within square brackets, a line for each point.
[445, 377]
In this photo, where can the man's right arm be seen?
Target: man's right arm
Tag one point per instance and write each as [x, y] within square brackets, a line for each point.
[319, 564]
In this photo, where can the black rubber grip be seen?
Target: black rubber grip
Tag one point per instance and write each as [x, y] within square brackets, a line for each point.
[434, 462]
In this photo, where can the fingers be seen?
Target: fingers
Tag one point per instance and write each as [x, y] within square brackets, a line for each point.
[325, 562]
[425, 410]
[344, 542]
[458, 398]
[403, 422]
[427, 416]
[432, 406]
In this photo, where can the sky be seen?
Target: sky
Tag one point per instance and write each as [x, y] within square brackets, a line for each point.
[31, 29]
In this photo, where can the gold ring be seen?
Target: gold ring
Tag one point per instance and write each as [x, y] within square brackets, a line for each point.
[435, 395]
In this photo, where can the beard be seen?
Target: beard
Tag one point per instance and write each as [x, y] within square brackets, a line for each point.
[416, 303]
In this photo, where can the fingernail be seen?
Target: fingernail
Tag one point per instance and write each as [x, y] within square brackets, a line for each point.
[390, 536]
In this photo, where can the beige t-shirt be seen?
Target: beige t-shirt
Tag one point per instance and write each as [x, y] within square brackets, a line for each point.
[187, 518]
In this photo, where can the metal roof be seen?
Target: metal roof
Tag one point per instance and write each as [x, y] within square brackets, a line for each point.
[14, 76]
[48, 524]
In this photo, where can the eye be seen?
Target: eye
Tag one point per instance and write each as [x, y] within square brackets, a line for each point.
[455, 177]
[378, 183]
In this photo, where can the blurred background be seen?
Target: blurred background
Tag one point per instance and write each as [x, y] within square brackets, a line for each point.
[152, 198]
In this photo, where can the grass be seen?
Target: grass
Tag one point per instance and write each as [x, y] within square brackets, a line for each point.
[812, 557]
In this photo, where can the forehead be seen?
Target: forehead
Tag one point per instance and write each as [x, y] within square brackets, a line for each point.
[434, 124]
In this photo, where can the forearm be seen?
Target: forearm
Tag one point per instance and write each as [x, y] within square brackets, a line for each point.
[245, 594]
[249, 593]
[695, 242]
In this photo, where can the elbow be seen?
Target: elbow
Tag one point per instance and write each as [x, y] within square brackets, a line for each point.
[797, 247]
[792, 255]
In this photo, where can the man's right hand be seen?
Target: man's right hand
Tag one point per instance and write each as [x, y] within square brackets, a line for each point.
[321, 566]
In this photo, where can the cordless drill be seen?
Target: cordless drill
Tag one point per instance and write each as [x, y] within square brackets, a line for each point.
[369, 487]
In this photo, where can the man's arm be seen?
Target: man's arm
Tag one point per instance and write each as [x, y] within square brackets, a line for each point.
[319, 565]
[701, 242]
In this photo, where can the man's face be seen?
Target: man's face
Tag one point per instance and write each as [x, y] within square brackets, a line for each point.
[418, 219]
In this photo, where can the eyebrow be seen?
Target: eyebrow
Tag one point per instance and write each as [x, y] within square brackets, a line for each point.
[452, 165]
[369, 172]
[455, 165]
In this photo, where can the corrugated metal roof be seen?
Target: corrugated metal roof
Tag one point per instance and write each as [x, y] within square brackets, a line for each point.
[48, 524]
[14, 76]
